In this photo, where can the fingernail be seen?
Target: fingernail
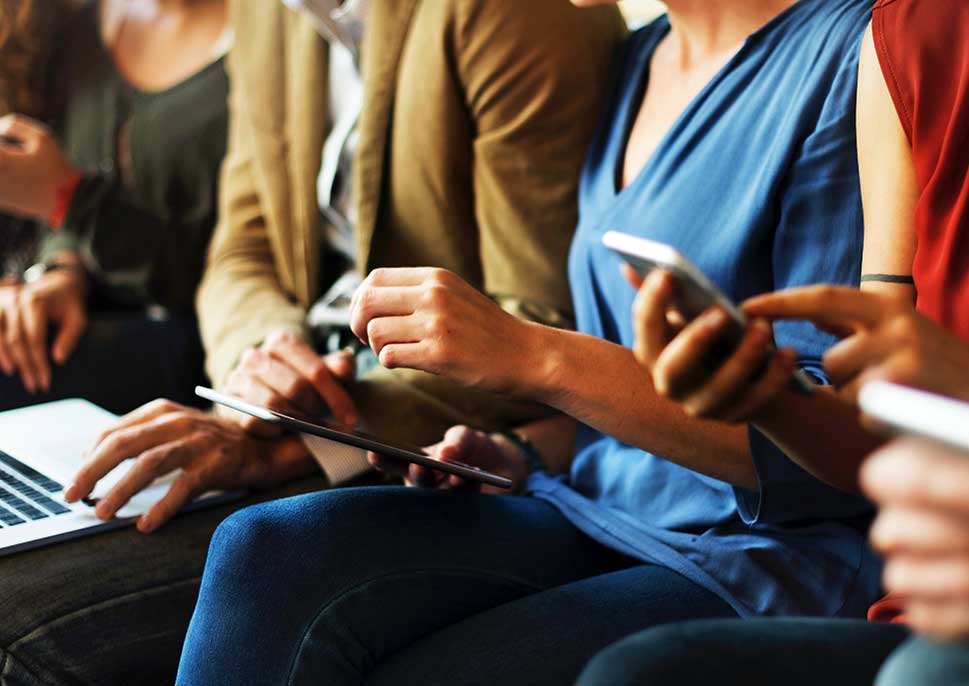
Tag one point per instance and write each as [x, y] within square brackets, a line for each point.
[715, 318]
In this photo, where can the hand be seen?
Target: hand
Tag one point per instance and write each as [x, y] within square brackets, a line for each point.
[923, 531]
[32, 173]
[430, 319]
[493, 453]
[677, 356]
[884, 338]
[285, 374]
[26, 312]
[162, 437]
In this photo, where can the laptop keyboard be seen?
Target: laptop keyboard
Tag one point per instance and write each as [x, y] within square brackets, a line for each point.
[22, 496]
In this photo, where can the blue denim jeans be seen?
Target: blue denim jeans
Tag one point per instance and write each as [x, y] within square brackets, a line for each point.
[397, 586]
[926, 663]
[123, 360]
[757, 652]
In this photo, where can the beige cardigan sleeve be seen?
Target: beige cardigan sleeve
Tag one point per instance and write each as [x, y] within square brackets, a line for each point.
[240, 298]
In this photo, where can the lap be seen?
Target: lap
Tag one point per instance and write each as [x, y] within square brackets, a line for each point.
[123, 360]
[547, 637]
[111, 608]
[793, 652]
[367, 572]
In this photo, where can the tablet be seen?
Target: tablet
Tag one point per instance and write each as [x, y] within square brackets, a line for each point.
[917, 413]
[695, 292]
[323, 428]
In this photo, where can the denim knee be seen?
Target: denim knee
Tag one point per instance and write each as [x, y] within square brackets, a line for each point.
[650, 657]
[923, 662]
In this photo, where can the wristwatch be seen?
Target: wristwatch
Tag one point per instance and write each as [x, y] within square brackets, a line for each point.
[533, 460]
[35, 272]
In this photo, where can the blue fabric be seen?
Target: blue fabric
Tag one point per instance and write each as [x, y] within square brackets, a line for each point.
[399, 586]
[757, 183]
[755, 652]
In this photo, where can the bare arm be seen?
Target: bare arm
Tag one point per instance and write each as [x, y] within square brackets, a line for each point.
[822, 433]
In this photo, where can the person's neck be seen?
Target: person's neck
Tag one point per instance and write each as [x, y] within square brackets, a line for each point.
[703, 28]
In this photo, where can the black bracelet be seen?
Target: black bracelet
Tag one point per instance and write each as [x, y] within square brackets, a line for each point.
[533, 460]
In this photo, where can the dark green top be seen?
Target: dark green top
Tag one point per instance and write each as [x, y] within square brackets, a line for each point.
[144, 213]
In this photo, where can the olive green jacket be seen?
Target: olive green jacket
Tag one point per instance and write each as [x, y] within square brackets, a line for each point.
[477, 115]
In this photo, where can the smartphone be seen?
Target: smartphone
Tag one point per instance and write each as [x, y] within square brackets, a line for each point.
[917, 413]
[695, 293]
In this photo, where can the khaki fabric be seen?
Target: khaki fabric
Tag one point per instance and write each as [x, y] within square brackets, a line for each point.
[477, 115]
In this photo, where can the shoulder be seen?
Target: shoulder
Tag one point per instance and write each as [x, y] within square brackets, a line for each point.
[906, 25]
[550, 25]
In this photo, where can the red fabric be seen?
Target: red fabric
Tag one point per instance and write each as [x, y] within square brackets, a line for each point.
[889, 610]
[923, 49]
[65, 196]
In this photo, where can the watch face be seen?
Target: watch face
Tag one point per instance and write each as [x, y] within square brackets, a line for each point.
[34, 273]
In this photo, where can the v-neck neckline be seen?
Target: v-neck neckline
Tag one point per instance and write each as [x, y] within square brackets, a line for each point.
[633, 104]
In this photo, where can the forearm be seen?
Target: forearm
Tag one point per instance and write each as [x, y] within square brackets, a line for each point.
[602, 385]
[822, 434]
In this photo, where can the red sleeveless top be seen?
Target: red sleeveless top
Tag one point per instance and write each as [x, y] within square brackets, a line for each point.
[923, 49]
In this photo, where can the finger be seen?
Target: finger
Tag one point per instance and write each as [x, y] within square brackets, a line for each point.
[6, 361]
[35, 328]
[24, 129]
[17, 345]
[928, 578]
[404, 355]
[183, 490]
[342, 364]
[942, 620]
[67, 338]
[424, 477]
[853, 355]
[149, 466]
[393, 331]
[827, 306]
[383, 301]
[632, 276]
[145, 413]
[919, 531]
[251, 389]
[388, 465]
[653, 332]
[777, 377]
[311, 366]
[126, 444]
[682, 365]
[914, 473]
[280, 386]
[732, 380]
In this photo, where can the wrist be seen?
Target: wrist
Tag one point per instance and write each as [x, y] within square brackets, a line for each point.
[539, 363]
[286, 459]
[63, 198]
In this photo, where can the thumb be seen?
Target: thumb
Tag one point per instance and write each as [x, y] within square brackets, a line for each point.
[71, 329]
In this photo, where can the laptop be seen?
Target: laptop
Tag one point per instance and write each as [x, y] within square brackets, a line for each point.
[41, 448]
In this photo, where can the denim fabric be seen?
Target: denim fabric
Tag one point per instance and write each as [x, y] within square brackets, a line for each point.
[756, 652]
[109, 610]
[124, 360]
[926, 663]
[396, 586]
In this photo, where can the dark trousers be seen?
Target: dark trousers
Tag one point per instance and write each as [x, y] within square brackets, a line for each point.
[123, 361]
[109, 610]
[761, 652]
[407, 586]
